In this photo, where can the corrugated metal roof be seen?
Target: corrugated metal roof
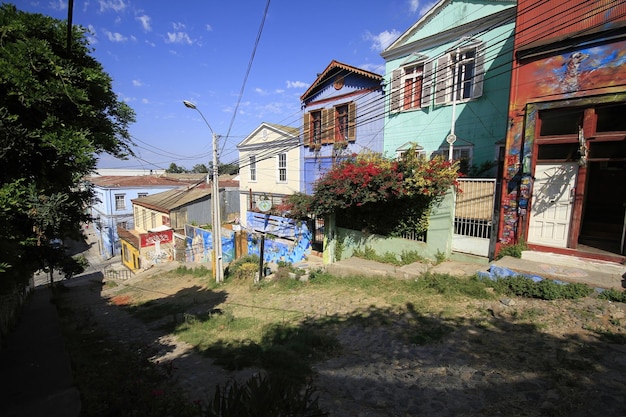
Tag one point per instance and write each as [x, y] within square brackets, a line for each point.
[115, 181]
[172, 199]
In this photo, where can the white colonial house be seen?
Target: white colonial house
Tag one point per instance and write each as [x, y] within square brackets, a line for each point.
[269, 167]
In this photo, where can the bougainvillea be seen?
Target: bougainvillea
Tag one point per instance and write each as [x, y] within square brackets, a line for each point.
[368, 191]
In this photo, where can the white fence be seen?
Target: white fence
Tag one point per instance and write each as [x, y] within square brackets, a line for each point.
[473, 215]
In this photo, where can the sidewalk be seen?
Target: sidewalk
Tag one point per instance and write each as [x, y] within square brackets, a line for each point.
[35, 366]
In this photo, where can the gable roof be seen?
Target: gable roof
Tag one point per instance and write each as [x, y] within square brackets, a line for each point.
[289, 134]
[333, 69]
[167, 201]
[457, 31]
[136, 181]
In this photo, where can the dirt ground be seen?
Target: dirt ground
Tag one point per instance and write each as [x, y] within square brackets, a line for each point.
[508, 356]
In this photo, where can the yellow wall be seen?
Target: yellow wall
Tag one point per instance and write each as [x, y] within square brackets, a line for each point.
[130, 256]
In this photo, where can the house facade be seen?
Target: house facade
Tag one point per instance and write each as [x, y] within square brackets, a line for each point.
[564, 185]
[446, 83]
[269, 167]
[112, 206]
[342, 115]
[159, 231]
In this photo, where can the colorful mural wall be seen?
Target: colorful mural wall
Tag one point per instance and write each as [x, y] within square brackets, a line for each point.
[595, 72]
[285, 240]
[199, 245]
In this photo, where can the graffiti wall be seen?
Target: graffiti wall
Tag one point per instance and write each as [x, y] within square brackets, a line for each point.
[285, 240]
[587, 72]
[199, 245]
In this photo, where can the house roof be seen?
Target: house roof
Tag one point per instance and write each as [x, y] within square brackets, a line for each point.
[332, 70]
[117, 181]
[426, 18]
[288, 134]
[167, 201]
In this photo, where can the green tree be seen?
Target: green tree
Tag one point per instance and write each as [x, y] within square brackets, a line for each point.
[58, 112]
[199, 169]
[176, 169]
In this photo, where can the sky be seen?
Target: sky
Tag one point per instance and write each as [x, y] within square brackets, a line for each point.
[238, 64]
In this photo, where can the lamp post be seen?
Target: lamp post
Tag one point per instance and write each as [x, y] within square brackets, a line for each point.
[215, 200]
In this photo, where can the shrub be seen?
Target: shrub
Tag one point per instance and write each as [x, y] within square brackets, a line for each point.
[545, 289]
[613, 295]
[264, 395]
[244, 267]
[515, 250]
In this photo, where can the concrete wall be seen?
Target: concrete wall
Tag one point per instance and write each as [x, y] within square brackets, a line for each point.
[341, 243]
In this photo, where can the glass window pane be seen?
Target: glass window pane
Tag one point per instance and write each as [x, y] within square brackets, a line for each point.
[562, 152]
[560, 122]
[607, 149]
[611, 118]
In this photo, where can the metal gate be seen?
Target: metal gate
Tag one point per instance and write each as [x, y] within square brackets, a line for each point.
[473, 216]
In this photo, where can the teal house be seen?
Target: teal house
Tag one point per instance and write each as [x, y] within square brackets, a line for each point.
[447, 84]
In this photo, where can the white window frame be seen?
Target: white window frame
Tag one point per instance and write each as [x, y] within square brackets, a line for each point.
[252, 167]
[139, 195]
[281, 168]
[462, 67]
[458, 153]
[401, 75]
[120, 202]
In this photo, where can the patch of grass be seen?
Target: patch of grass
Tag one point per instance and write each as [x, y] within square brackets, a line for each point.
[405, 258]
[452, 286]
[199, 272]
[545, 289]
[515, 250]
[527, 314]
[116, 379]
[613, 295]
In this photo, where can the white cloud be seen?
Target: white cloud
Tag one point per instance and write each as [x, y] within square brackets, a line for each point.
[296, 84]
[137, 83]
[260, 91]
[91, 35]
[115, 36]
[115, 5]
[152, 44]
[178, 26]
[178, 37]
[413, 5]
[382, 40]
[279, 91]
[425, 8]
[376, 68]
[145, 22]
[209, 28]
[58, 5]
[145, 101]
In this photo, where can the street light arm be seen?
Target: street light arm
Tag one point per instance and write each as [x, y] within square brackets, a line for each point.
[192, 106]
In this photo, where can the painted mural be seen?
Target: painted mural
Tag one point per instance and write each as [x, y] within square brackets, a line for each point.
[595, 70]
[286, 240]
[199, 245]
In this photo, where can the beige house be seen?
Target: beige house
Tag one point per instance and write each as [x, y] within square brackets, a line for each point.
[269, 167]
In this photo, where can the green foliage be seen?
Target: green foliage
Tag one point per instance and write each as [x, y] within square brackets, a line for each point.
[58, 112]
[296, 206]
[175, 169]
[450, 285]
[200, 271]
[384, 196]
[515, 250]
[545, 289]
[264, 395]
[243, 268]
[613, 295]
[405, 258]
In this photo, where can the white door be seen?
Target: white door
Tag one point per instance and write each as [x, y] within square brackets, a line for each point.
[552, 202]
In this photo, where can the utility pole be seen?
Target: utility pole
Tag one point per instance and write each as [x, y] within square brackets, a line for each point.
[215, 203]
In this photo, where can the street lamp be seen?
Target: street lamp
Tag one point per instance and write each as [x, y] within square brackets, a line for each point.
[215, 199]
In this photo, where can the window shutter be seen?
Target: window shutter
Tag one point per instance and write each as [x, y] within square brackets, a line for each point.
[328, 124]
[352, 121]
[306, 132]
[441, 89]
[396, 90]
[479, 71]
[427, 84]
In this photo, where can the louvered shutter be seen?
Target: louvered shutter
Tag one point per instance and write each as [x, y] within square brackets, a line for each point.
[427, 84]
[327, 125]
[442, 81]
[308, 140]
[352, 121]
[479, 71]
[396, 90]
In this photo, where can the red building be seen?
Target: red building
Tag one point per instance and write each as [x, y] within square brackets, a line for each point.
[564, 177]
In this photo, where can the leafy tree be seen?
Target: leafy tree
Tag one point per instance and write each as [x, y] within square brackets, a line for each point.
[176, 169]
[230, 169]
[199, 169]
[58, 112]
[381, 195]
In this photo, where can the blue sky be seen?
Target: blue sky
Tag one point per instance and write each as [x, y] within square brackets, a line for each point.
[161, 52]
